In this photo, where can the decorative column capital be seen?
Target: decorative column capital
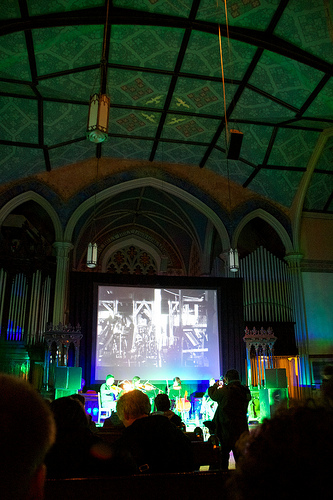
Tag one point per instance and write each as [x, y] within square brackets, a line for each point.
[63, 248]
[294, 259]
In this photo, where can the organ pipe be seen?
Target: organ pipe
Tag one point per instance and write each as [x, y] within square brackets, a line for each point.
[267, 288]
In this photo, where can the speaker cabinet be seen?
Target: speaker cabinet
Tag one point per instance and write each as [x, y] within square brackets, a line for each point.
[276, 378]
[74, 378]
[235, 144]
[61, 377]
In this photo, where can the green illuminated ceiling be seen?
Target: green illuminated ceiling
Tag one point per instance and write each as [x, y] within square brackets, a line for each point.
[164, 80]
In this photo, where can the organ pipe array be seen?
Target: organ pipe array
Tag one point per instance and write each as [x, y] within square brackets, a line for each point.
[28, 305]
[267, 287]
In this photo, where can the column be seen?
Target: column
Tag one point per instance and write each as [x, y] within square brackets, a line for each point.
[60, 293]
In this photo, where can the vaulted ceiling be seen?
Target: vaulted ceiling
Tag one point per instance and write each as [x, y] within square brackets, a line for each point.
[164, 79]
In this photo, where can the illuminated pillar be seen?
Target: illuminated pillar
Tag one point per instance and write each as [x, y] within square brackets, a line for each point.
[61, 282]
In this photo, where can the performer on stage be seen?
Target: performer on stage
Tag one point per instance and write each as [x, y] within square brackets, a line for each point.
[178, 397]
[109, 392]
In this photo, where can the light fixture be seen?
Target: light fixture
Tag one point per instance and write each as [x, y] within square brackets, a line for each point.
[98, 118]
[92, 255]
[233, 260]
[92, 245]
[99, 105]
[233, 141]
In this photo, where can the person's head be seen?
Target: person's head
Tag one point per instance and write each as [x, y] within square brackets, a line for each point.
[69, 414]
[109, 380]
[177, 382]
[136, 381]
[27, 432]
[231, 375]
[293, 449]
[79, 398]
[162, 402]
[133, 405]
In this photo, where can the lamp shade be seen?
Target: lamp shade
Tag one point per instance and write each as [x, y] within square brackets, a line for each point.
[92, 255]
[98, 118]
[233, 260]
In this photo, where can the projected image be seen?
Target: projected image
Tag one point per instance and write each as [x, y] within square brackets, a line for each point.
[156, 333]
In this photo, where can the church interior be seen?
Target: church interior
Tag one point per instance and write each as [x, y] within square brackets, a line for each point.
[166, 195]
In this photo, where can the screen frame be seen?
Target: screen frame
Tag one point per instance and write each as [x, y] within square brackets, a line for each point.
[182, 283]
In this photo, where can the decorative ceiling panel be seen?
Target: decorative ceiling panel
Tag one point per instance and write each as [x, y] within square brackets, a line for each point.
[9, 10]
[249, 13]
[152, 47]
[38, 7]
[127, 148]
[137, 88]
[18, 119]
[13, 159]
[322, 105]
[170, 7]
[293, 147]
[319, 192]
[238, 171]
[255, 141]
[164, 82]
[309, 29]
[73, 153]
[182, 153]
[258, 108]
[288, 80]
[68, 47]
[136, 123]
[203, 56]
[74, 86]
[189, 128]
[200, 96]
[63, 122]
[14, 62]
[283, 183]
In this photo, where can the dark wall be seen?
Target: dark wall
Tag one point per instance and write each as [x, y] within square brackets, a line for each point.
[232, 347]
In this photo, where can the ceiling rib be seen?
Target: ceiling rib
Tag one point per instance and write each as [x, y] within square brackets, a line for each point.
[174, 78]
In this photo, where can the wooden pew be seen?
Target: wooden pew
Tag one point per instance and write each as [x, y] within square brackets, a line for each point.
[180, 486]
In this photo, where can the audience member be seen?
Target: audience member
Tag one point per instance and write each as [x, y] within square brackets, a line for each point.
[113, 421]
[27, 431]
[154, 443]
[231, 414]
[77, 452]
[81, 399]
[287, 456]
[162, 404]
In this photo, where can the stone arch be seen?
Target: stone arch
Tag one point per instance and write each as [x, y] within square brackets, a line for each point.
[32, 196]
[272, 221]
[145, 182]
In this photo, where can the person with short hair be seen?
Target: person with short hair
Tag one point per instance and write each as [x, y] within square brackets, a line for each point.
[27, 432]
[163, 404]
[231, 414]
[153, 442]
